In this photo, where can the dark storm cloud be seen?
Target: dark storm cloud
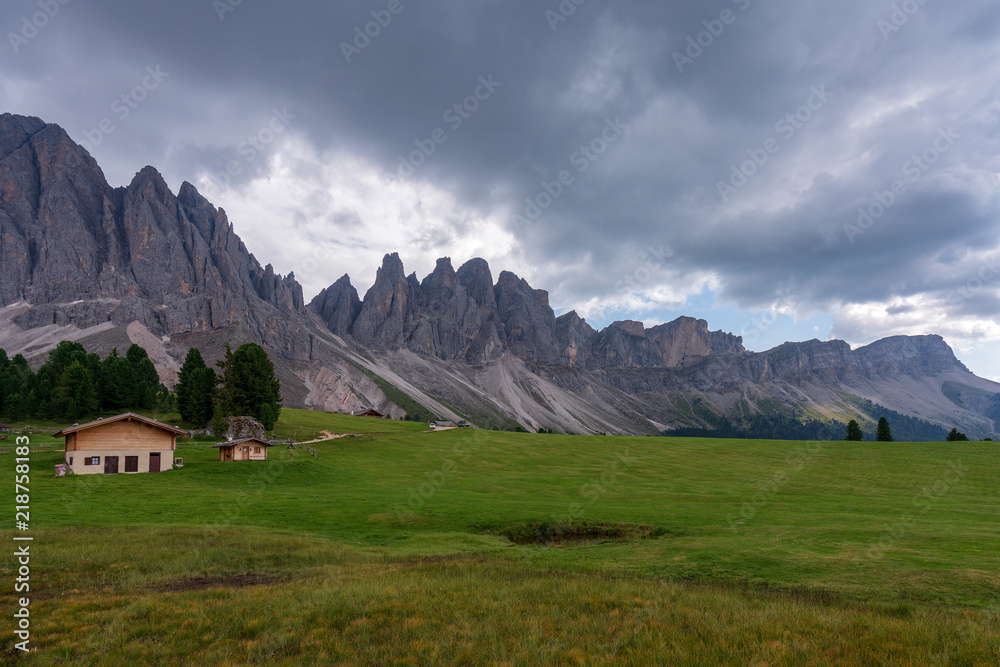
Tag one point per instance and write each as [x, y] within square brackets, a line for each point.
[829, 102]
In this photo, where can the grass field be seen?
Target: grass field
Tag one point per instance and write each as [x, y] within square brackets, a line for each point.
[403, 546]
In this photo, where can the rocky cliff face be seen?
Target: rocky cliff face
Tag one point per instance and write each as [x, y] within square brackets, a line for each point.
[338, 306]
[77, 255]
[630, 345]
[81, 252]
[576, 339]
[439, 317]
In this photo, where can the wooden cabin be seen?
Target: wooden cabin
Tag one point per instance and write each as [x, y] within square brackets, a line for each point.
[128, 443]
[244, 449]
[372, 413]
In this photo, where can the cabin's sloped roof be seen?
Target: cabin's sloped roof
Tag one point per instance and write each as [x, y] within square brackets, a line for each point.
[129, 416]
[241, 441]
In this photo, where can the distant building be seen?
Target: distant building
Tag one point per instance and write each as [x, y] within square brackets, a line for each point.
[244, 449]
[444, 424]
[127, 443]
[372, 412]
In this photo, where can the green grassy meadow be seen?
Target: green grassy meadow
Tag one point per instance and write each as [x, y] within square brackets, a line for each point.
[403, 546]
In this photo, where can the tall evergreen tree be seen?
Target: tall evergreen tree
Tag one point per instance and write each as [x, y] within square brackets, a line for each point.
[75, 395]
[854, 432]
[883, 433]
[117, 383]
[14, 407]
[20, 362]
[147, 380]
[249, 384]
[196, 389]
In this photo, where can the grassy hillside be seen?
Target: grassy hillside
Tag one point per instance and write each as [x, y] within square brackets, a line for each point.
[397, 545]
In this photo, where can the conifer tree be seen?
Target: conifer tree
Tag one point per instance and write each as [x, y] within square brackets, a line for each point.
[147, 380]
[854, 432]
[249, 385]
[883, 433]
[75, 396]
[196, 389]
[117, 383]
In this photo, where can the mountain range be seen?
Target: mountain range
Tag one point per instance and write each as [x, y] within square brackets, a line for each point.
[81, 260]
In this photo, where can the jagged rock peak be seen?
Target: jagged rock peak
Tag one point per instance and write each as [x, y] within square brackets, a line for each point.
[476, 278]
[392, 265]
[388, 305]
[191, 197]
[443, 276]
[173, 264]
[15, 131]
[338, 306]
[529, 324]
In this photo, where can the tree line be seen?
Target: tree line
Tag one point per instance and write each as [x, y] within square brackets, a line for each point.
[73, 384]
[783, 426]
[761, 427]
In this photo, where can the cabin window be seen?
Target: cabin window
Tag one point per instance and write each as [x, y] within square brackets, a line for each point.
[131, 464]
[256, 450]
[71, 460]
[92, 461]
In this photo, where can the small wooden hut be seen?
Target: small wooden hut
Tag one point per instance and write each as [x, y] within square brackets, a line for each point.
[244, 449]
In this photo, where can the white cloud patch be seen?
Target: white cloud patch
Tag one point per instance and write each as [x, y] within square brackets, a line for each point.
[321, 215]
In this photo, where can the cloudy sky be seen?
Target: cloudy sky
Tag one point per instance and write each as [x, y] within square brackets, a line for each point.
[786, 170]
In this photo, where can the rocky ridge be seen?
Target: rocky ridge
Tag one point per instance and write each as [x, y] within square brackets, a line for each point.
[86, 261]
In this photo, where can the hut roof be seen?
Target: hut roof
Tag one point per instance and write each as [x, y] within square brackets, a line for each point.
[126, 416]
[241, 441]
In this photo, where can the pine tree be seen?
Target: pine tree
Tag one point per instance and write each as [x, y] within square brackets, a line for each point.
[117, 383]
[11, 383]
[14, 407]
[249, 385]
[267, 416]
[854, 432]
[956, 436]
[50, 375]
[196, 389]
[147, 380]
[883, 433]
[75, 396]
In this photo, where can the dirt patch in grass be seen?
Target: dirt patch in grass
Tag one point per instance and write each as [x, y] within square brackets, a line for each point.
[397, 518]
[228, 581]
[573, 534]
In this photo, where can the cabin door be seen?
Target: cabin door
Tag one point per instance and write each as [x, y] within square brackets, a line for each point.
[110, 465]
[154, 462]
